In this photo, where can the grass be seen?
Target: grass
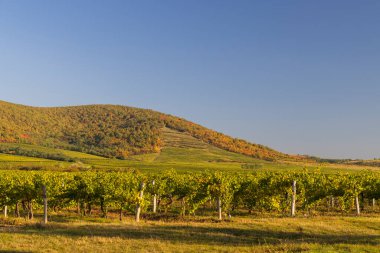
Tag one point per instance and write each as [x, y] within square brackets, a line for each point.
[315, 234]
[72, 154]
[16, 158]
[14, 161]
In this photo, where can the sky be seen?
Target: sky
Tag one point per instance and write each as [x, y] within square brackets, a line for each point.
[302, 77]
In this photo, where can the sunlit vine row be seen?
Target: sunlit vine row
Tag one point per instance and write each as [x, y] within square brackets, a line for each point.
[183, 194]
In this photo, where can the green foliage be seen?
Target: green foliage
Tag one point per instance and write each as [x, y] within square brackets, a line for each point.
[116, 190]
[105, 130]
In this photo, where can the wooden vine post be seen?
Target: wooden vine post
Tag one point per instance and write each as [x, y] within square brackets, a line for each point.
[154, 200]
[44, 196]
[219, 203]
[294, 193]
[30, 210]
[17, 210]
[5, 211]
[357, 205]
[138, 206]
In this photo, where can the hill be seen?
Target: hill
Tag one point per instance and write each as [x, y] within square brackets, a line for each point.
[114, 131]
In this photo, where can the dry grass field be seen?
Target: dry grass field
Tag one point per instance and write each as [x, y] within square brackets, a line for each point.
[269, 234]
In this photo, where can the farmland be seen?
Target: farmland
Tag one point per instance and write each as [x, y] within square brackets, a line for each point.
[97, 209]
[210, 195]
[181, 152]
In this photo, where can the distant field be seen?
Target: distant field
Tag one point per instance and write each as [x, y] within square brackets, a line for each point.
[181, 152]
[13, 161]
[16, 158]
[73, 154]
[349, 234]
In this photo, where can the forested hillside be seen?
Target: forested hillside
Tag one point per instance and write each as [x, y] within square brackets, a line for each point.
[110, 130]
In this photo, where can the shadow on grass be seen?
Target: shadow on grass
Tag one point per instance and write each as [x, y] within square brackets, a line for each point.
[195, 234]
[14, 251]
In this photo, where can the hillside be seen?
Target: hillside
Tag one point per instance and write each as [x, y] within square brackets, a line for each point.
[113, 131]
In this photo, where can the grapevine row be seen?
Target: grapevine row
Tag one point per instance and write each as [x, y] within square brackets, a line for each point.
[185, 194]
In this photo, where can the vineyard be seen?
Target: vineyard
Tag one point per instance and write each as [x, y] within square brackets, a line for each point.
[223, 195]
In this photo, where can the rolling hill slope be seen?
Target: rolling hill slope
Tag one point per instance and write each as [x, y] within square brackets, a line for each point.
[118, 132]
[181, 152]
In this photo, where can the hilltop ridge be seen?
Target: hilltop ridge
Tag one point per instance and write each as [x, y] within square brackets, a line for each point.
[112, 130]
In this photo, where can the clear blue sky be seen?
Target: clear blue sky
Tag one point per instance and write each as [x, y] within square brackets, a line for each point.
[299, 76]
